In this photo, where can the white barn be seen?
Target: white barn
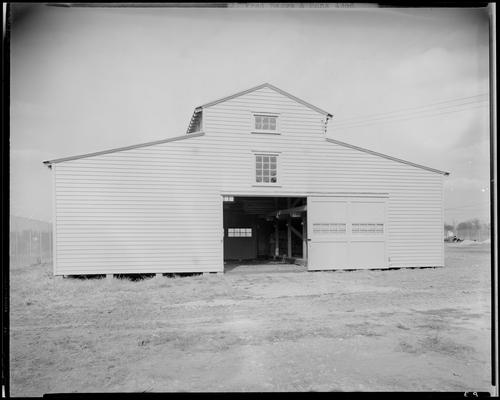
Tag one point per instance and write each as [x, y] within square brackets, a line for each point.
[254, 177]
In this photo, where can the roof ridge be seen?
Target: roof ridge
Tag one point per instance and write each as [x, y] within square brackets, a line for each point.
[270, 86]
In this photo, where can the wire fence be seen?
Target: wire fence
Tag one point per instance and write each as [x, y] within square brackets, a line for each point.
[30, 241]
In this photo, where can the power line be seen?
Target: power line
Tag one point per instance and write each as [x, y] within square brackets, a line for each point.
[457, 99]
[469, 205]
[400, 114]
[403, 114]
[397, 118]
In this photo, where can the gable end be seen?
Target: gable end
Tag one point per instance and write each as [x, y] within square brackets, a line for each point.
[268, 85]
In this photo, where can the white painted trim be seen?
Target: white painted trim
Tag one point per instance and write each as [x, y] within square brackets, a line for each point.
[54, 221]
[265, 133]
[266, 113]
[221, 229]
[305, 194]
[308, 230]
[386, 232]
[442, 220]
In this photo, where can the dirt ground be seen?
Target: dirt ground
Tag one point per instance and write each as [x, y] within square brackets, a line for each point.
[394, 330]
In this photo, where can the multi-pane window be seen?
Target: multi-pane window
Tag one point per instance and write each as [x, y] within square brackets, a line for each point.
[265, 123]
[367, 228]
[329, 228]
[239, 232]
[266, 168]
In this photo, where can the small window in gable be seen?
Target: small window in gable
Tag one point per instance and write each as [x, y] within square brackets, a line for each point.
[264, 123]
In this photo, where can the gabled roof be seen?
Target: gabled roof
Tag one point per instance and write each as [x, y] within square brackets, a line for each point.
[266, 85]
[195, 134]
[351, 146]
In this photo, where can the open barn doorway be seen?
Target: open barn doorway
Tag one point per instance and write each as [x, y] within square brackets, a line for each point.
[264, 230]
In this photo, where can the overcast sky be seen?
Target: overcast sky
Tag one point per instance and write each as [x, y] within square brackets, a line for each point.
[411, 83]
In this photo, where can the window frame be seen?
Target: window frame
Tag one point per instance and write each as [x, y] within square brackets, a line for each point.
[265, 153]
[240, 232]
[329, 228]
[254, 130]
[363, 228]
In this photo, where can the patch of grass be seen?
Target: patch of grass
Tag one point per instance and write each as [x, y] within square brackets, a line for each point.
[441, 312]
[407, 347]
[432, 325]
[438, 344]
[362, 329]
[195, 342]
[384, 314]
[445, 346]
[71, 334]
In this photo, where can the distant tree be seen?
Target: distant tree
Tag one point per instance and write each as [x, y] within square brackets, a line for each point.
[476, 224]
[474, 229]
[464, 225]
[448, 227]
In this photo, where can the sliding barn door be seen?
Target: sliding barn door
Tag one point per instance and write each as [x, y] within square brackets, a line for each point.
[346, 232]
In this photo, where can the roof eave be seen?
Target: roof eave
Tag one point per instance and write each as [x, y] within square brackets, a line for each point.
[387, 156]
[117, 149]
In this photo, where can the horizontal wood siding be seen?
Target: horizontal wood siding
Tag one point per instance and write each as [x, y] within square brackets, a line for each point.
[152, 209]
[158, 208]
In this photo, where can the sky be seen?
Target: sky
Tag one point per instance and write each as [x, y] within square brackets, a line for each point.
[411, 83]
